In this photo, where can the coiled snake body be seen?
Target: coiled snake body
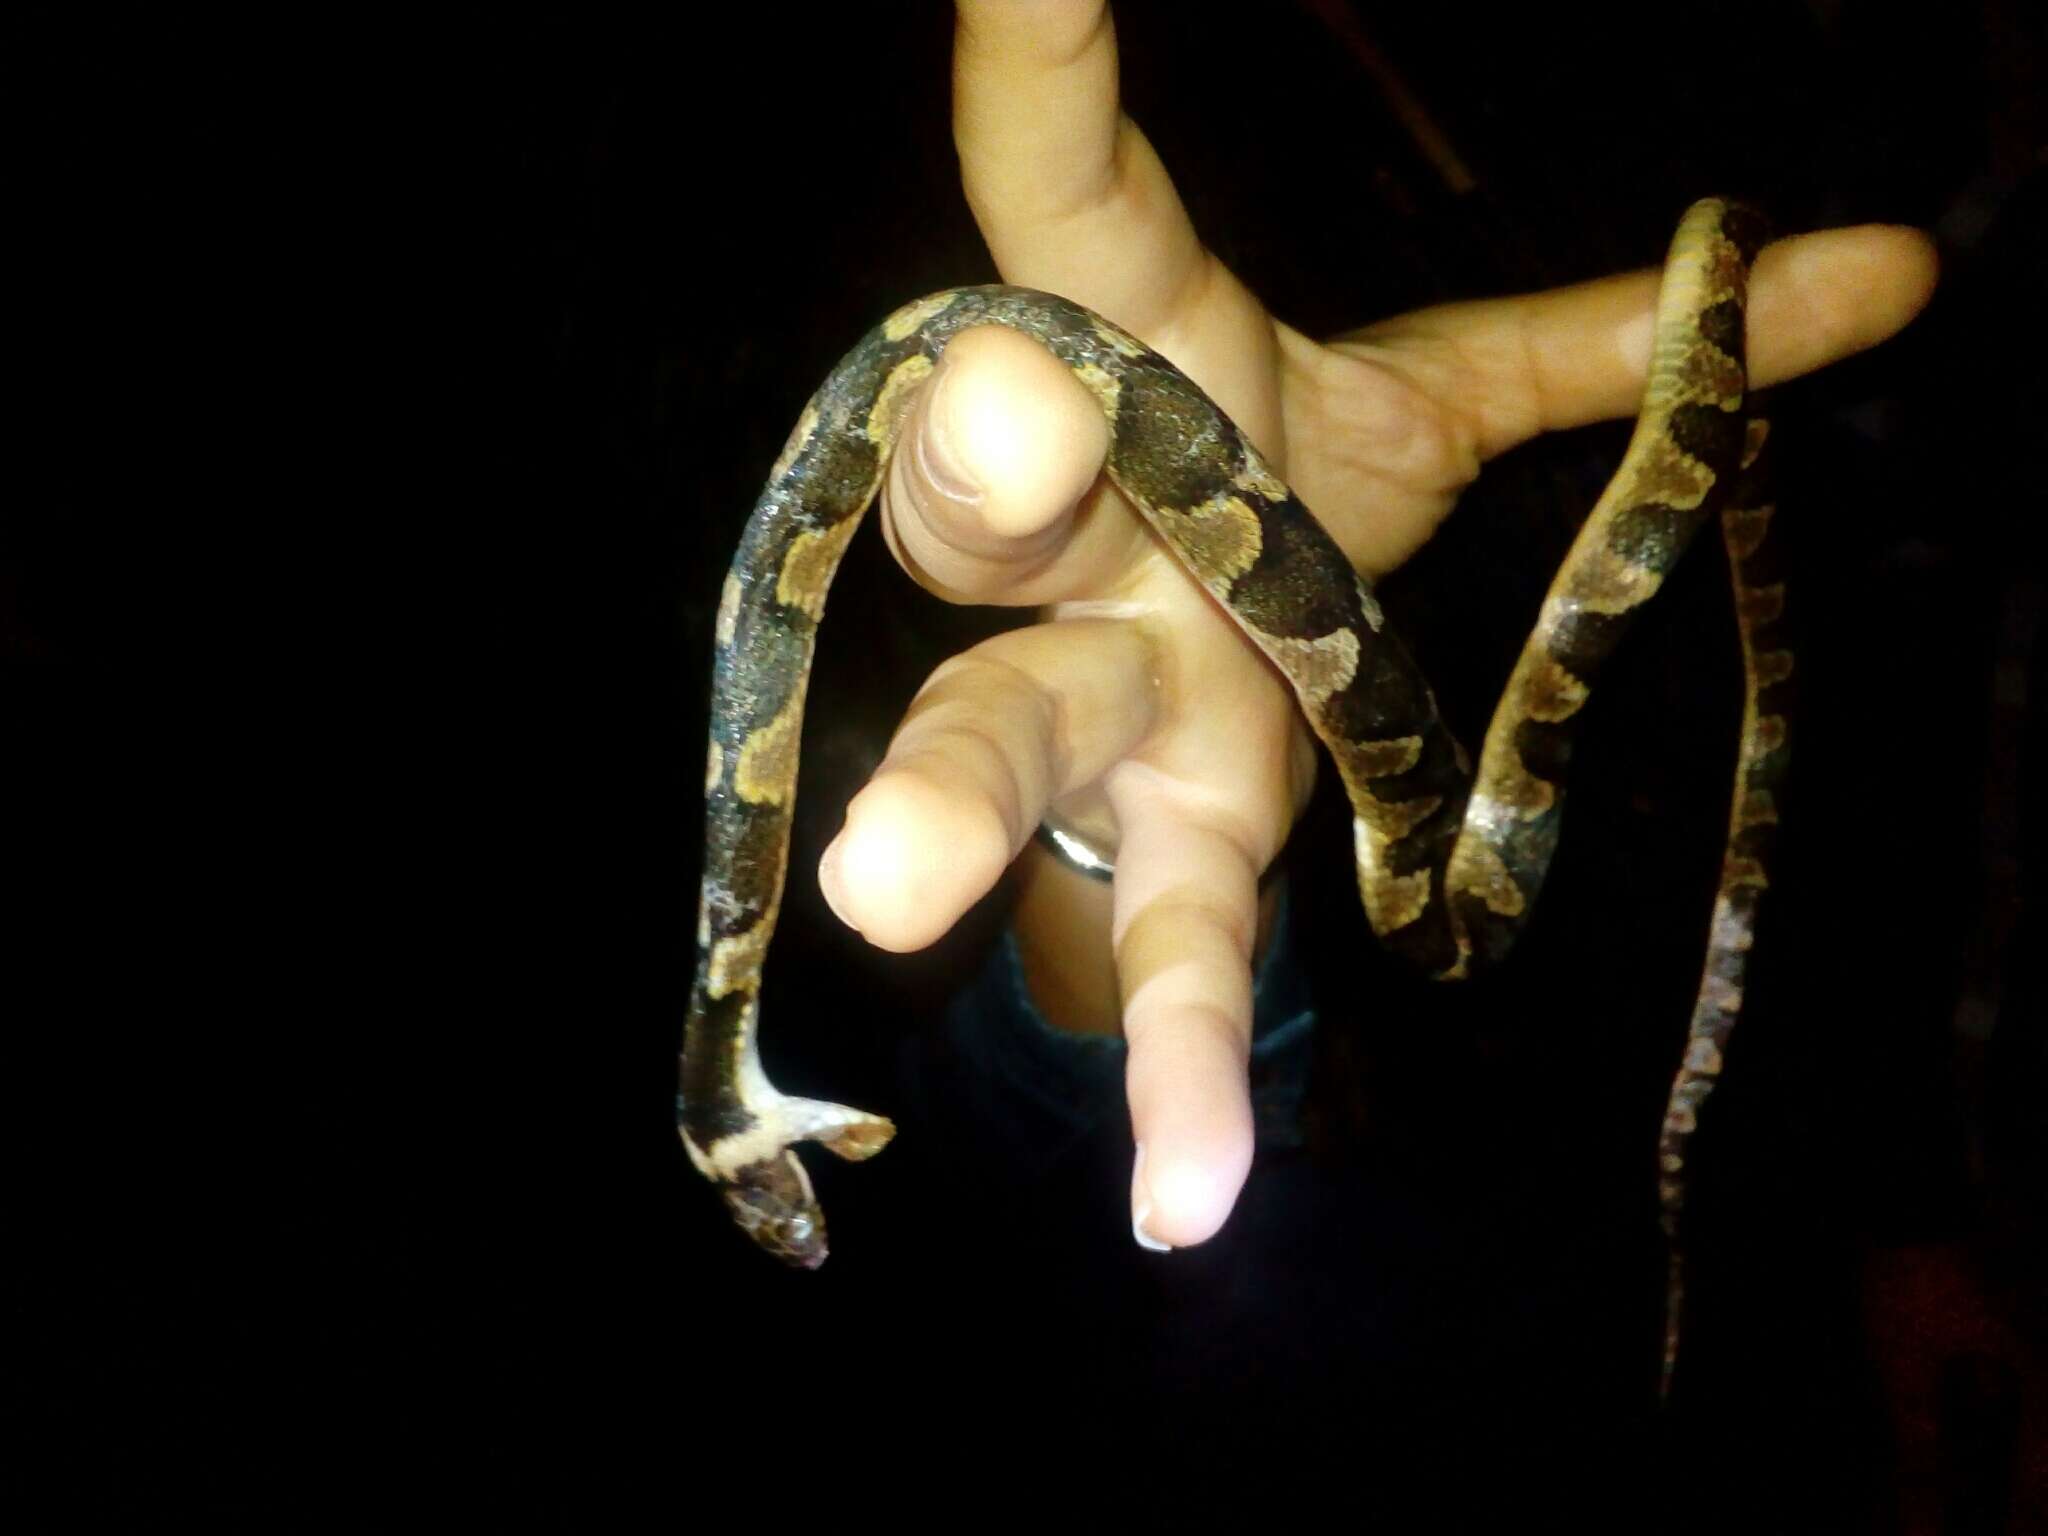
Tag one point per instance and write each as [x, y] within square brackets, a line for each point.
[1449, 859]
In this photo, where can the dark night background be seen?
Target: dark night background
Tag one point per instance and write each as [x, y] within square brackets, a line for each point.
[397, 391]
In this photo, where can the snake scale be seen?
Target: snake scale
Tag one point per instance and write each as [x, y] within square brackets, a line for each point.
[1449, 859]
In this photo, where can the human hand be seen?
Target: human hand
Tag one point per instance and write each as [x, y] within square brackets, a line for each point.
[1138, 708]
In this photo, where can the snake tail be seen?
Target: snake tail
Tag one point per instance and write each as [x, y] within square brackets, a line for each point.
[1761, 763]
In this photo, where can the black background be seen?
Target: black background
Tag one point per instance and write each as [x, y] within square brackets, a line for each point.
[397, 390]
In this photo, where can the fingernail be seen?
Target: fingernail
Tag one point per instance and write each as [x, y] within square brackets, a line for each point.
[938, 451]
[828, 883]
[1141, 1207]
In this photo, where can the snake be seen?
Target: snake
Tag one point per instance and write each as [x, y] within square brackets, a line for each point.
[1450, 857]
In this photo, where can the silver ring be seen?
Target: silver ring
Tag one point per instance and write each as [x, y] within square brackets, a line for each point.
[1075, 852]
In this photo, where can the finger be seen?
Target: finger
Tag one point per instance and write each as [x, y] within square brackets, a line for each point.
[991, 739]
[1068, 193]
[1543, 362]
[1186, 916]
[1823, 297]
[999, 453]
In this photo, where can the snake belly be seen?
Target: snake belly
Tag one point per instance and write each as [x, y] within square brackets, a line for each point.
[1449, 858]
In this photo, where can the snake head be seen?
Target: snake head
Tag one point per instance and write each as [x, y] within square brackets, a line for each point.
[773, 1203]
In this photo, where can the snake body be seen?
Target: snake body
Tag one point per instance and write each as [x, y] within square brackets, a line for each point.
[1449, 859]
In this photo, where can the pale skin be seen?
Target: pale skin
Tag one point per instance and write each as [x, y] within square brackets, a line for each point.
[1136, 711]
